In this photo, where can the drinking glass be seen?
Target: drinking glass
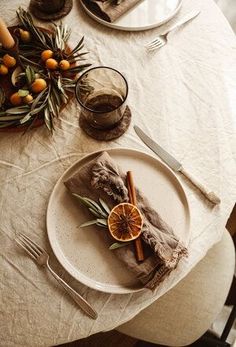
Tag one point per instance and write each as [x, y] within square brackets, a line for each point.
[101, 93]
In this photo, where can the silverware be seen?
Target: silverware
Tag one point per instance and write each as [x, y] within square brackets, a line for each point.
[175, 165]
[161, 40]
[42, 258]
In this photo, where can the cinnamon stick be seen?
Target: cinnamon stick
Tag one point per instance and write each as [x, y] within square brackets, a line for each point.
[132, 198]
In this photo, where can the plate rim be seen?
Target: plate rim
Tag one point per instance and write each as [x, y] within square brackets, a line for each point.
[123, 28]
[113, 289]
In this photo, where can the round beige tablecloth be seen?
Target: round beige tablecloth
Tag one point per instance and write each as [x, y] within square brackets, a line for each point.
[184, 95]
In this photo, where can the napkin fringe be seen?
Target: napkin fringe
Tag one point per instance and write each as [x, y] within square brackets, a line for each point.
[159, 276]
[162, 271]
[171, 261]
[108, 179]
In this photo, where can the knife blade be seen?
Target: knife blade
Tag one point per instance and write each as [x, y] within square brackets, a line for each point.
[174, 164]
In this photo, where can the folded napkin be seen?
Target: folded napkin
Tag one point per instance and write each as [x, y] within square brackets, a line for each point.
[102, 178]
[109, 10]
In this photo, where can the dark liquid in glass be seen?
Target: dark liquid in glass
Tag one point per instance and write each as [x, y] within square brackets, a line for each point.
[104, 103]
[104, 111]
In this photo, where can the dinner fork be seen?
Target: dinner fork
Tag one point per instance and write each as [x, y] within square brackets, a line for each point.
[42, 258]
[161, 40]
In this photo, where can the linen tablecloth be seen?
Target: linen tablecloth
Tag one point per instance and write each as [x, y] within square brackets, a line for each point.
[184, 95]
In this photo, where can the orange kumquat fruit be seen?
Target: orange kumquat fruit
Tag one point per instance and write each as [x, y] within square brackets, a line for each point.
[8, 60]
[46, 54]
[64, 65]
[51, 64]
[3, 69]
[16, 99]
[38, 85]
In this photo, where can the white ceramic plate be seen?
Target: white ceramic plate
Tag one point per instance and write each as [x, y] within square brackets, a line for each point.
[82, 252]
[147, 14]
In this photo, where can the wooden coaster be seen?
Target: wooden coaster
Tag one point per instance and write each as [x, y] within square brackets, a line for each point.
[33, 7]
[108, 134]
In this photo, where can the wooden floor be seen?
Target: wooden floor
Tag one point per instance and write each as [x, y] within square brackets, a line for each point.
[116, 339]
[109, 339]
[231, 223]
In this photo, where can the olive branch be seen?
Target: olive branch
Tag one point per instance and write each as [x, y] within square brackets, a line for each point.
[101, 211]
[47, 104]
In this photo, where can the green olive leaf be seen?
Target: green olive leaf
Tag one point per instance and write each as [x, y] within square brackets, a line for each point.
[91, 222]
[23, 92]
[118, 245]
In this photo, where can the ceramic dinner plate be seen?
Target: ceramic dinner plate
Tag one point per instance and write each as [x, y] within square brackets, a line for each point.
[82, 251]
[147, 14]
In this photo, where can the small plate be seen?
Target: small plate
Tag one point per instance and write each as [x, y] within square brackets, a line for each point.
[82, 252]
[147, 14]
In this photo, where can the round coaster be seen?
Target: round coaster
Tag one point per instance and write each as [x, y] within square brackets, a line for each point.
[108, 134]
[33, 7]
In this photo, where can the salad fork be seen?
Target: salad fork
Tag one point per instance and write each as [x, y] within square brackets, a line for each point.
[42, 258]
[161, 40]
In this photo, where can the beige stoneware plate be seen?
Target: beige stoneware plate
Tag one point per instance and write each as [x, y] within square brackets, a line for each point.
[147, 14]
[82, 251]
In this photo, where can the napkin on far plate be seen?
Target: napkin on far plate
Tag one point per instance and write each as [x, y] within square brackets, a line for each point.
[107, 9]
[102, 178]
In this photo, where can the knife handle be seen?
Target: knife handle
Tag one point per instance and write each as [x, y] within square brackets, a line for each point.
[211, 196]
[184, 20]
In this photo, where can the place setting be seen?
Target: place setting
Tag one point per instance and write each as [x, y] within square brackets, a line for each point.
[115, 182]
[116, 167]
[102, 213]
[38, 76]
[103, 230]
[139, 15]
[132, 15]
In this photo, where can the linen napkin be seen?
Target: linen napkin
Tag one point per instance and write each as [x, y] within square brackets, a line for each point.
[108, 9]
[102, 178]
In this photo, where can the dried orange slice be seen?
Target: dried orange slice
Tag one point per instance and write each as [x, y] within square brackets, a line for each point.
[125, 222]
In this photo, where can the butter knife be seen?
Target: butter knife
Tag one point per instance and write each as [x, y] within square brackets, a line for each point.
[175, 165]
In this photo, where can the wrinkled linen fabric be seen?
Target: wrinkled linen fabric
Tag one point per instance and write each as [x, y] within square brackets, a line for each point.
[102, 178]
[183, 95]
[108, 10]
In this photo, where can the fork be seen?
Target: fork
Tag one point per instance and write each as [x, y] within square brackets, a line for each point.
[42, 258]
[161, 40]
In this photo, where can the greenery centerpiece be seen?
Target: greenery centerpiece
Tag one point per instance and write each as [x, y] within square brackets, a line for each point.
[38, 78]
